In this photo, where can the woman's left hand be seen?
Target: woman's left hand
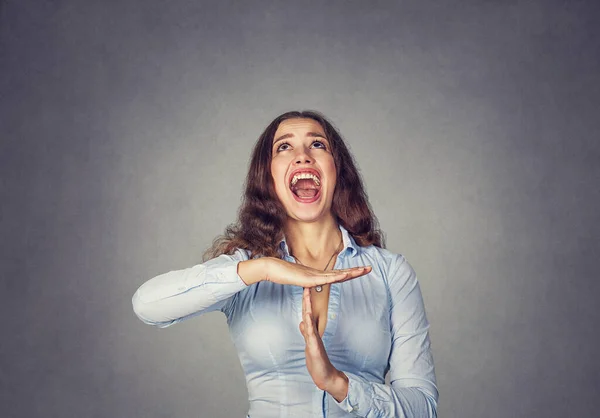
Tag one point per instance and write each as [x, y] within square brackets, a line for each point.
[320, 368]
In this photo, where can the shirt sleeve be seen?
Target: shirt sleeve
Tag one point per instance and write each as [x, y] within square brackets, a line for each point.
[180, 294]
[413, 392]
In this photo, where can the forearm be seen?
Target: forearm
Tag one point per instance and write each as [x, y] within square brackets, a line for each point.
[338, 387]
[252, 271]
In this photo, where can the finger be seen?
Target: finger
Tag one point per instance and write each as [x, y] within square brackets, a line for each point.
[337, 276]
[306, 302]
[353, 272]
[307, 317]
[356, 273]
[361, 272]
[304, 293]
[309, 326]
[328, 278]
[352, 269]
[333, 278]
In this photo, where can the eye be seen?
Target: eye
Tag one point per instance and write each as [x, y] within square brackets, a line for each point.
[279, 148]
[284, 146]
[319, 144]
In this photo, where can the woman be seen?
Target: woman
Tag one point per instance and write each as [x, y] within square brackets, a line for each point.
[318, 311]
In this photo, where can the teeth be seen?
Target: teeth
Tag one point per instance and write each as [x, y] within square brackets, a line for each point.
[300, 176]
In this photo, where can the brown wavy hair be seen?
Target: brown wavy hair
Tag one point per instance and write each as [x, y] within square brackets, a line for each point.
[261, 217]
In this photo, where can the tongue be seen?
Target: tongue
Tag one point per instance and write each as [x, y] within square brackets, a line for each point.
[305, 188]
[306, 193]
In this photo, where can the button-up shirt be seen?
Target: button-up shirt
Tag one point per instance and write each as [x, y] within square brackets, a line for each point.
[376, 324]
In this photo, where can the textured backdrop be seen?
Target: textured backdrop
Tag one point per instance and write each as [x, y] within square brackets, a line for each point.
[126, 128]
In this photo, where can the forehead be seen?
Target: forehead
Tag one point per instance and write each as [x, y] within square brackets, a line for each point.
[298, 127]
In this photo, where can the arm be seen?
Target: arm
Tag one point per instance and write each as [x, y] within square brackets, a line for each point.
[413, 392]
[178, 295]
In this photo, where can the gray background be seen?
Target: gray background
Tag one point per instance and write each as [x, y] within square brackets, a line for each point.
[126, 128]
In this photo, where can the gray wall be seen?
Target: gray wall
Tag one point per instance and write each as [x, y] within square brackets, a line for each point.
[125, 131]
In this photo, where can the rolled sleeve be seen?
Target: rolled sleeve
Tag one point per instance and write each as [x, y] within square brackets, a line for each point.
[180, 294]
[359, 396]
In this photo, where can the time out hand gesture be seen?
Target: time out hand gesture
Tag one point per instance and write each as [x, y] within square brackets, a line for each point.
[284, 272]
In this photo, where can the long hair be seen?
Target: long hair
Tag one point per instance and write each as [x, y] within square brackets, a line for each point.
[261, 217]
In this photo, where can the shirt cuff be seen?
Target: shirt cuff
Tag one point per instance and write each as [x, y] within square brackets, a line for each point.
[226, 277]
[358, 399]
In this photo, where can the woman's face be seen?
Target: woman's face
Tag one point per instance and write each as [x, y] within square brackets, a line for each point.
[303, 169]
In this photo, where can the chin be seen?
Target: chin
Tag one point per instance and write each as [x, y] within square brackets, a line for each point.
[305, 218]
[308, 214]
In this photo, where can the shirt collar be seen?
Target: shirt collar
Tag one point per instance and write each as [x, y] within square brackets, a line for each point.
[349, 245]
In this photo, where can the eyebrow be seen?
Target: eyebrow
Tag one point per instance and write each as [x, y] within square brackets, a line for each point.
[309, 134]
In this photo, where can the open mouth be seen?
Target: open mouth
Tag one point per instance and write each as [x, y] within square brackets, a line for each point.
[306, 186]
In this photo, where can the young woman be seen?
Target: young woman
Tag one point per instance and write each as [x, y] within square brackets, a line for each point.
[318, 310]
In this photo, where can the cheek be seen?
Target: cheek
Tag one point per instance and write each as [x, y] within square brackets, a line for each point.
[277, 176]
[331, 172]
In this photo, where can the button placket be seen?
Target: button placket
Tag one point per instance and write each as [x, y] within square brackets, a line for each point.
[332, 312]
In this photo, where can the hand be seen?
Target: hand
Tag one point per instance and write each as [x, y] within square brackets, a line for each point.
[284, 272]
[317, 361]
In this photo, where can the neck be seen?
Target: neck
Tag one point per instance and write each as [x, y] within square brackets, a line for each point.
[314, 241]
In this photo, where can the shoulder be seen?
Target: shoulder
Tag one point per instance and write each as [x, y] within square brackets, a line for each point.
[392, 267]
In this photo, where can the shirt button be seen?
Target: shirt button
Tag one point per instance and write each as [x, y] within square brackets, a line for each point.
[332, 316]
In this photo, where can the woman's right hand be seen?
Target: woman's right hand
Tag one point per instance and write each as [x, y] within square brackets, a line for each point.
[283, 272]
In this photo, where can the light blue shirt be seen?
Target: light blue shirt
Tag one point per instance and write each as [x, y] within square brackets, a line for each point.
[375, 323]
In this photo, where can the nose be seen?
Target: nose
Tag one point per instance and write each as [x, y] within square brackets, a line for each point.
[302, 157]
[303, 160]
